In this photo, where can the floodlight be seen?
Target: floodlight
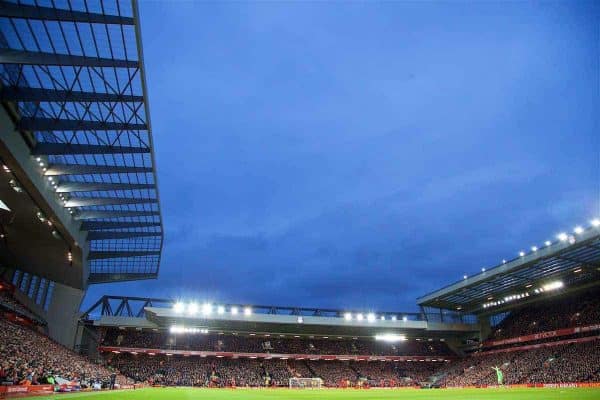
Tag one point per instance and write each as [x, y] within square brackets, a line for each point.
[405, 318]
[595, 222]
[390, 338]
[547, 243]
[553, 285]
[234, 310]
[359, 317]
[348, 316]
[206, 308]
[247, 311]
[578, 230]
[465, 276]
[534, 248]
[394, 318]
[562, 237]
[371, 317]
[220, 310]
[522, 254]
[383, 317]
[192, 308]
[300, 320]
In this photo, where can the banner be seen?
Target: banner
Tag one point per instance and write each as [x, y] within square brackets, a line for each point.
[543, 335]
[538, 345]
[267, 356]
[532, 385]
[26, 389]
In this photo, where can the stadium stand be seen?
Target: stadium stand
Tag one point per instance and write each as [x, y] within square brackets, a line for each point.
[579, 310]
[195, 371]
[253, 344]
[29, 357]
[577, 362]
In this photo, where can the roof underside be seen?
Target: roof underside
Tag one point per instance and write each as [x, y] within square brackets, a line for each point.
[575, 262]
[72, 71]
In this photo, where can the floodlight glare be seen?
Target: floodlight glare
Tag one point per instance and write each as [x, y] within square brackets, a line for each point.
[390, 338]
[300, 320]
[359, 317]
[405, 318]
[522, 254]
[371, 317]
[394, 318]
[534, 248]
[207, 309]
[562, 237]
[347, 316]
[247, 311]
[234, 310]
[220, 310]
[547, 243]
[553, 285]
[192, 308]
[578, 230]
[595, 222]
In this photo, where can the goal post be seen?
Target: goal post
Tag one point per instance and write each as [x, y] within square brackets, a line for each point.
[306, 383]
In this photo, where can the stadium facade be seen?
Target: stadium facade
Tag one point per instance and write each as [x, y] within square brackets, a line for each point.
[78, 182]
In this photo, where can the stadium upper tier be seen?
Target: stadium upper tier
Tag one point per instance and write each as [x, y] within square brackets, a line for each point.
[76, 142]
[571, 262]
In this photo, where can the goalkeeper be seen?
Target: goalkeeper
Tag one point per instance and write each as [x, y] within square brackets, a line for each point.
[499, 375]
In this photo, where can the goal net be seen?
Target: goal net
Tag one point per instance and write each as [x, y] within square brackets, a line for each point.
[306, 383]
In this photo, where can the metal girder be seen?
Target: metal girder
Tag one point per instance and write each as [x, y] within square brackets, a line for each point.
[51, 95]
[101, 255]
[106, 235]
[68, 187]
[95, 278]
[99, 225]
[578, 261]
[10, 56]
[51, 124]
[104, 201]
[13, 10]
[76, 169]
[45, 149]
[124, 305]
[100, 214]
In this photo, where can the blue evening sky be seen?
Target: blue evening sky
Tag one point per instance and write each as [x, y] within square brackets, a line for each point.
[360, 154]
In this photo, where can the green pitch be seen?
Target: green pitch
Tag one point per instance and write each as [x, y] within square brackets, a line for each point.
[342, 394]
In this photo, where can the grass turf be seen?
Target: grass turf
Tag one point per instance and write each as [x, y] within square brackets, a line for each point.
[342, 394]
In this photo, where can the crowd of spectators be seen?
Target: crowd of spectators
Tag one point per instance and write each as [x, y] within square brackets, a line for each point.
[575, 362]
[269, 344]
[220, 372]
[28, 357]
[550, 315]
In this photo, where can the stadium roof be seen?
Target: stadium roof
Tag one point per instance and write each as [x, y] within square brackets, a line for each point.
[148, 313]
[72, 76]
[569, 263]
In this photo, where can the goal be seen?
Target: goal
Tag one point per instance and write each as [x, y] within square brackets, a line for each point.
[306, 383]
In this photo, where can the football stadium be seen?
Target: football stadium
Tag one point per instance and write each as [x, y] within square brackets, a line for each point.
[80, 211]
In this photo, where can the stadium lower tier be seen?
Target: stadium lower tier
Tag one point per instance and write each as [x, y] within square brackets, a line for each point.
[28, 357]
[575, 362]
